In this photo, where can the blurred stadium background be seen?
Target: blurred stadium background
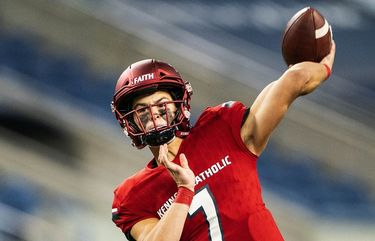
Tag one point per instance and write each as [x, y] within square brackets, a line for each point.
[62, 153]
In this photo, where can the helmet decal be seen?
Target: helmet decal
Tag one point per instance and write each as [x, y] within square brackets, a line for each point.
[141, 78]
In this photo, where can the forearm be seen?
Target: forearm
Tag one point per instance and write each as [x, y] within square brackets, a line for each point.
[313, 75]
[170, 226]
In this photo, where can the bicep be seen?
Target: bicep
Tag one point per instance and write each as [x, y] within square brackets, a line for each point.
[140, 230]
[267, 111]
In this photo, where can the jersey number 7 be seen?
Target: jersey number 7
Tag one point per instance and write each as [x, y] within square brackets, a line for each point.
[204, 201]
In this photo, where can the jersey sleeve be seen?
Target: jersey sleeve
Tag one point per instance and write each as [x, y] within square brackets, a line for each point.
[233, 113]
[127, 210]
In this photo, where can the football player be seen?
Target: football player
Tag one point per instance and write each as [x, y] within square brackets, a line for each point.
[202, 183]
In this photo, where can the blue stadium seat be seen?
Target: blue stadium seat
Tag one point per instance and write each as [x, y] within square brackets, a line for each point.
[14, 193]
[302, 180]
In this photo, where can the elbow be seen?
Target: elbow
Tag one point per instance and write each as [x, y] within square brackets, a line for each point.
[299, 79]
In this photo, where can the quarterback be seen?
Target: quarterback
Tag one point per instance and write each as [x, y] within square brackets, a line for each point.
[202, 184]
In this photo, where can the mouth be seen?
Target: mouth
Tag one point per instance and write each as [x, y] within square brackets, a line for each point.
[156, 128]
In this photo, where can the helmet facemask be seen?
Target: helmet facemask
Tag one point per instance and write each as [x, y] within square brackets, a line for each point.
[154, 124]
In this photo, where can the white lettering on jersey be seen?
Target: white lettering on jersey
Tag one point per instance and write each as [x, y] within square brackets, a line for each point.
[215, 168]
[164, 208]
[144, 77]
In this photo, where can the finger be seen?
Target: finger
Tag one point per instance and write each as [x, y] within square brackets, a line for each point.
[162, 154]
[184, 162]
[333, 48]
[330, 58]
[171, 166]
[163, 148]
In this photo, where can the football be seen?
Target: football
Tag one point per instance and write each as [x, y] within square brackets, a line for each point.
[307, 37]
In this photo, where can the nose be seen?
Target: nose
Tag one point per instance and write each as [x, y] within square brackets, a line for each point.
[155, 112]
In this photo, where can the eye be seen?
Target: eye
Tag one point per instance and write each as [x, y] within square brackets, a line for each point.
[162, 111]
[142, 110]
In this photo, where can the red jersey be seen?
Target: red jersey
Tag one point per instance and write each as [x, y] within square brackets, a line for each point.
[227, 204]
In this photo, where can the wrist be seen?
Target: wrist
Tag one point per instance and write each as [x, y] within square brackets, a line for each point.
[184, 195]
[328, 69]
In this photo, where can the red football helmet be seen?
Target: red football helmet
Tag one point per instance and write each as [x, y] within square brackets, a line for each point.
[145, 77]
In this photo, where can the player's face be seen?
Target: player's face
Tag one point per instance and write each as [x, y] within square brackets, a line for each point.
[153, 110]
